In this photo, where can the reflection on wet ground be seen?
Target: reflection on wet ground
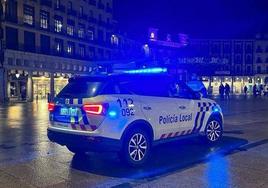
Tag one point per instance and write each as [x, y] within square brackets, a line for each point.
[28, 159]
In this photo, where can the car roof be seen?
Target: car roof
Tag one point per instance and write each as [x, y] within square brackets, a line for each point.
[121, 77]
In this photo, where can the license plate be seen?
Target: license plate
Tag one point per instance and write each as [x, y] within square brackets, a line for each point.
[69, 112]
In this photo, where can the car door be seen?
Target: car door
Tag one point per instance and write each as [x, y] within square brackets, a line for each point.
[187, 102]
[162, 114]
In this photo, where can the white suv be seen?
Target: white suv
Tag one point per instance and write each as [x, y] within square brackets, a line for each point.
[130, 113]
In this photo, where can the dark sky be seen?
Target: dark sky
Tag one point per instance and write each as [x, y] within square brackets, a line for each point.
[198, 18]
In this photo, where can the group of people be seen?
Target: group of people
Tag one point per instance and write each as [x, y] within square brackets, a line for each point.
[261, 90]
[225, 90]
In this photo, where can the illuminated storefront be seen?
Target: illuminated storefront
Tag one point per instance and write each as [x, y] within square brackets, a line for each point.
[237, 83]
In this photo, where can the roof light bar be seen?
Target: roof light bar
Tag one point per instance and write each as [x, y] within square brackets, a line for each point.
[147, 71]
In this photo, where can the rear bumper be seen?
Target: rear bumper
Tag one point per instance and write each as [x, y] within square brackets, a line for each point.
[87, 143]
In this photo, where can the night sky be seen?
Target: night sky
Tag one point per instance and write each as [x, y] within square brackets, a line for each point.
[199, 18]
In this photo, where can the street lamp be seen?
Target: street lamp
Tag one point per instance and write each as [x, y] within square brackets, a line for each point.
[17, 74]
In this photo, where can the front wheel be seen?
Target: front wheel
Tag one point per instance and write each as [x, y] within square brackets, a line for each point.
[136, 148]
[213, 130]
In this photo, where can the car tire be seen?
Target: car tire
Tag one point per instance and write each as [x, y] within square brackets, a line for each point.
[76, 150]
[214, 130]
[136, 148]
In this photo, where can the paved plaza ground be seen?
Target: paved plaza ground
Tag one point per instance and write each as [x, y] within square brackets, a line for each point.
[29, 159]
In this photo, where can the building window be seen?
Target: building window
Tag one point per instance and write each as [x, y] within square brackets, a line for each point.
[58, 24]
[45, 44]
[12, 38]
[248, 69]
[259, 60]
[82, 50]
[28, 15]
[58, 3]
[81, 11]
[70, 30]
[70, 5]
[249, 59]
[259, 70]
[267, 70]
[114, 40]
[70, 48]
[44, 19]
[59, 46]
[81, 31]
[259, 49]
[90, 34]
[29, 41]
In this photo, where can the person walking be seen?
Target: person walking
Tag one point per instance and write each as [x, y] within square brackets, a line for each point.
[245, 90]
[255, 90]
[221, 91]
[227, 91]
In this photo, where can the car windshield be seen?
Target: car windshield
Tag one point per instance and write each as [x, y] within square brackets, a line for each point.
[82, 89]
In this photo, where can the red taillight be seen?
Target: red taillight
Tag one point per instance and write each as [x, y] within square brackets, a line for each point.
[96, 109]
[51, 107]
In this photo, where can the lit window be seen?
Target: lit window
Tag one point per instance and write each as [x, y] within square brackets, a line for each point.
[70, 48]
[81, 31]
[90, 35]
[59, 45]
[81, 11]
[114, 40]
[82, 50]
[58, 25]
[70, 30]
[44, 19]
[28, 15]
[57, 3]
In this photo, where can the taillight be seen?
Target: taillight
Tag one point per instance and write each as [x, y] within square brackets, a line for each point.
[51, 107]
[96, 109]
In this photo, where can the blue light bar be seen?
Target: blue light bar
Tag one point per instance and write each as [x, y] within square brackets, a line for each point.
[147, 71]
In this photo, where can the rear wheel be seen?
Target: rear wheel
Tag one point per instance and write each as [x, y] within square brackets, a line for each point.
[136, 147]
[76, 150]
[213, 130]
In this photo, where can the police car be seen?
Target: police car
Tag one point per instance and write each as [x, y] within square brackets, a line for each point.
[130, 113]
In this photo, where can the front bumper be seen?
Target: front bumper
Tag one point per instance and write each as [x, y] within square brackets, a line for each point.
[86, 143]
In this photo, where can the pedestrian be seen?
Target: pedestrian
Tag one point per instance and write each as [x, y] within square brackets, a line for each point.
[221, 91]
[255, 90]
[261, 90]
[245, 90]
[227, 91]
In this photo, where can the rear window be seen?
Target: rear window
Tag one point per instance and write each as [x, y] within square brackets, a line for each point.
[81, 89]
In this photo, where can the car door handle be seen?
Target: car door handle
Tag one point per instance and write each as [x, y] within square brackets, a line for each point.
[147, 108]
[182, 107]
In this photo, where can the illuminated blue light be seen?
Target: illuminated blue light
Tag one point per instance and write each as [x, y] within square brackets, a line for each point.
[216, 109]
[147, 71]
[112, 114]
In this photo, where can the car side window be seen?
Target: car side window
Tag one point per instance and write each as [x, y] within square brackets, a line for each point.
[179, 90]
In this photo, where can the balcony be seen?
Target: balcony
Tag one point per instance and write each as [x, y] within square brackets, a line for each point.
[71, 12]
[47, 3]
[60, 8]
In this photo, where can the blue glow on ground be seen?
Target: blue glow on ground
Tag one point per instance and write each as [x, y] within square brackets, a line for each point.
[217, 172]
[147, 71]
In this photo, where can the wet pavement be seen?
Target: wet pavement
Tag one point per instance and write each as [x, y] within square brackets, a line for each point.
[28, 159]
